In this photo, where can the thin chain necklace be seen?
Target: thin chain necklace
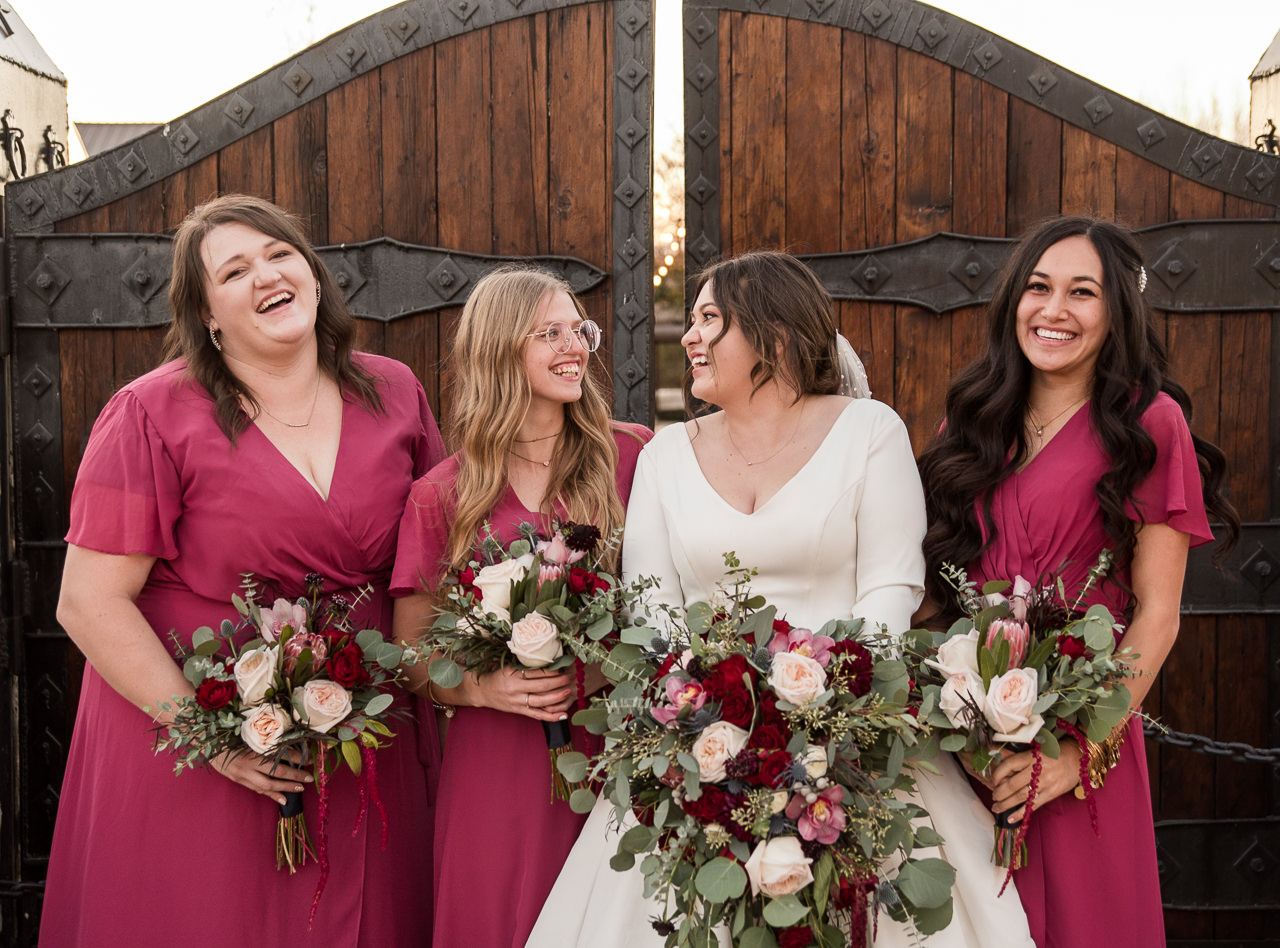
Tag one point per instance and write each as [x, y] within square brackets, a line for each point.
[533, 440]
[1039, 427]
[546, 463]
[315, 397]
[786, 444]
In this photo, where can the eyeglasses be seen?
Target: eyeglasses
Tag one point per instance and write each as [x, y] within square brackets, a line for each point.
[560, 337]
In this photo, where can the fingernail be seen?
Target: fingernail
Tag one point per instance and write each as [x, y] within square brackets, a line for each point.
[308, 778]
[564, 717]
[298, 788]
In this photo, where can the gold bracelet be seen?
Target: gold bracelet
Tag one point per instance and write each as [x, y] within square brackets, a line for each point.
[1103, 757]
[448, 709]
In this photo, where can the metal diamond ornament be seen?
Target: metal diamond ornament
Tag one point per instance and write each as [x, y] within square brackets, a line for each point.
[404, 28]
[629, 191]
[238, 109]
[702, 190]
[184, 139]
[1260, 570]
[297, 78]
[1098, 109]
[871, 274]
[78, 189]
[446, 279]
[1150, 133]
[633, 73]
[631, 131]
[37, 382]
[988, 55]
[38, 436]
[932, 32]
[876, 13]
[1042, 80]
[1174, 267]
[704, 133]
[143, 278]
[971, 269]
[1261, 174]
[1268, 265]
[634, 19]
[132, 166]
[48, 280]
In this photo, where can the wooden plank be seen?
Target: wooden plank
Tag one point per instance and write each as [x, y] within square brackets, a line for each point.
[1243, 411]
[757, 162]
[1189, 199]
[1188, 676]
[520, 136]
[86, 380]
[1142, 191]
[464, 193]
[246, 167]
[1034, 190]
[727, 29]
[813, 140]
[302, 181]
[190, 187]
[924, 136]
[922, 371]
[868, 142]
[1088, 174]
[354, 147]
[408, 93]
[981, 157]
[140, 212]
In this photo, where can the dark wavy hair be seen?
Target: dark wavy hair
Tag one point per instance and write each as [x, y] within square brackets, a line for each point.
[188, 336]
[986, 405]
[785, 314]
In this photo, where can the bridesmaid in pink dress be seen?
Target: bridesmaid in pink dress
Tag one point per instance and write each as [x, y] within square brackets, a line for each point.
[535, 443]
[253, 450]
[1065, 438]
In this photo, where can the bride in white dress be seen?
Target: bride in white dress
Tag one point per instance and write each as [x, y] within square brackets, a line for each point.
[819, 493]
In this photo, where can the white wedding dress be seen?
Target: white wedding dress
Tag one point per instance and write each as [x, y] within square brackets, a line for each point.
[840, 539]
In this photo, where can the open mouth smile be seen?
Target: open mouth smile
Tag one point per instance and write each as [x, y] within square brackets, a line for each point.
[275, 300]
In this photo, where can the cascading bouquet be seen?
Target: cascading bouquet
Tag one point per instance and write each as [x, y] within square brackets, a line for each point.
[762, 773]
[1023, 670]
[540, 602]
[290, 682]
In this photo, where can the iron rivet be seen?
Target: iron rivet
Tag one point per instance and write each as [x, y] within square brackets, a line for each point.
[1262, 568]
[44, 281]
[141, 277]
[973, 268]
[1258, 864]
[351, 50]
[1275, 264]
[403, 25]
[871, 273]
[344, 280]
[446, 279]
[1175, 267]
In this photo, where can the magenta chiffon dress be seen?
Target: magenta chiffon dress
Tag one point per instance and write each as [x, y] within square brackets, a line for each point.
[142, 857]
[500, 837]
[1047, 522]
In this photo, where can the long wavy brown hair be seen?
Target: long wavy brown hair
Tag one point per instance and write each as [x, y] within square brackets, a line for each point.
[492, 395]
[986, 406]
[188, 336]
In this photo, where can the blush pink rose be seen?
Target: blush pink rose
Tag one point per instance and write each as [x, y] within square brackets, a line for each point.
[957, 654]
[797, 678]
[494, 583]
[263, 727]
[822, 820]
[1010, 699]
[324, 704]
[778, 867]
[535, 640]
[952, 699]
[255, 673]
[284, 614]
[715, 745]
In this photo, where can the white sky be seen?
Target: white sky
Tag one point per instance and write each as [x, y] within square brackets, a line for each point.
[152, 60]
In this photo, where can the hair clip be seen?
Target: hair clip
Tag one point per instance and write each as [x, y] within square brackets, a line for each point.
[1142, 278]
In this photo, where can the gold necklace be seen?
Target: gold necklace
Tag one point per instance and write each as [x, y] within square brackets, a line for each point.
[546, 463]
[315, 397]
[786, 444]
[1039, 428]
[532, 440]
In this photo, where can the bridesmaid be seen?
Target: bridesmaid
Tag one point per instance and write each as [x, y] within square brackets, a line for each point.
[533, 439]
[1065, 438]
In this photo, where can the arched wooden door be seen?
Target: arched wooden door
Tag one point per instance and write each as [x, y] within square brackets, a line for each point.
[420, 145]
[899, 148]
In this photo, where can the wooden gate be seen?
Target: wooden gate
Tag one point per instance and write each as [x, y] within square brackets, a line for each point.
[902, 147]
[421, 145]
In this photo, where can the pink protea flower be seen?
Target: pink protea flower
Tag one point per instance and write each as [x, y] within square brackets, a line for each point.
[283, 615]
[549, 572]
[822, 820]
[1016, 633]
[680, 693]
[304, 640]
[803, 642]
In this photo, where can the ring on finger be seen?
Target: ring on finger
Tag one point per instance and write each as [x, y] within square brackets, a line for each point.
[527, 695]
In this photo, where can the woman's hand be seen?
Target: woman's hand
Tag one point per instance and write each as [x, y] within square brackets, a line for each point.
[966, 761]
[253, 772]
[1011, 779]
[536, 693]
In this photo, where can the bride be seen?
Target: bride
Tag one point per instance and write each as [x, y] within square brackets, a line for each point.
[818, 492]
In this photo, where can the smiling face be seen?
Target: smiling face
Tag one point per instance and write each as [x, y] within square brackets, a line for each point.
[261, 293]
[1062, 319]
[724, 373]
[556, 377]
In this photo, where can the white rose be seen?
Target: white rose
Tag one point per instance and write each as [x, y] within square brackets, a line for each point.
[715, 745]
[494, 583]
[952, 700]
[778, 867]
[797, 678]
[263, 727]
[255, 673]
[815, 761]
[324, 704]
[778, 802]
[957, 654]
[535, 640]
[1008, 708]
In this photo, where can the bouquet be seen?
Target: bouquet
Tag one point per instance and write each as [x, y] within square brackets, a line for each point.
[765, 768]
[541, 602]
[1022, 670]
[288, 681]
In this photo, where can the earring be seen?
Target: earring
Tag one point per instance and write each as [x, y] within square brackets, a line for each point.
[317, 292]
[213, 336]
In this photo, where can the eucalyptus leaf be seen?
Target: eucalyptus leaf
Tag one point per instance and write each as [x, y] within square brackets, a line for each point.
[368, 637]
[953, 742]
[602, 627]
[784, 911]
[377, 705]
[638, 839]
[351, 753]
[926, 883]
[572, 766]
[757, 937]
[721, 880]
[388, 655]
[582, 800]
[241, 606]
[445, 672]
[636, 635]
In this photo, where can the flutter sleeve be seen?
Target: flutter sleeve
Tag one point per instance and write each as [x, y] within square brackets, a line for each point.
[431, 449]
[424, 532]
[127, 497]
[890, 529]
[1172, 492]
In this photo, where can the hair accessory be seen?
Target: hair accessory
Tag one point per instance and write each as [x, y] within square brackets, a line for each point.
[317, 292]
[1142, 278]
[853, 374]
[213, 335]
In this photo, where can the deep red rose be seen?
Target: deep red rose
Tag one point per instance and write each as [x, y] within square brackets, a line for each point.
[725, 676]
[1072, 647]
[644, 814]
[346, 667]
[708, 808]
[213, 694]
[797, 936]
[854, 667]
[781, 626]
[773, 766]
[737, 707]
[769, 713]
[583, 581]
[769, 737]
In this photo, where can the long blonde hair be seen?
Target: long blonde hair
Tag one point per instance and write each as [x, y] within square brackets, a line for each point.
[492, 395]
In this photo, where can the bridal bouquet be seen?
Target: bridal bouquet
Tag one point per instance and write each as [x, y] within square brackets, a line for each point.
[288, 681]
[540, 602]
[763, 772]
[1018, 670]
